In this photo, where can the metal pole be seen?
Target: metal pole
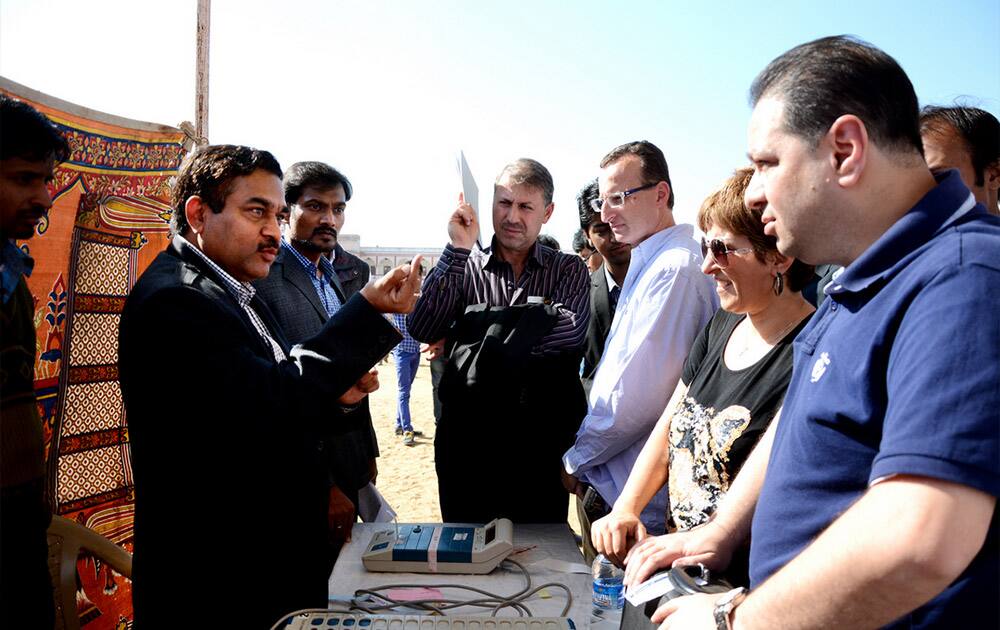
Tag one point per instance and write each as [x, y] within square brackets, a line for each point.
[201, 89]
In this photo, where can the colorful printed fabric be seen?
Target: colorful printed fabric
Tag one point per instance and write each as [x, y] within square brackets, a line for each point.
[109, 220]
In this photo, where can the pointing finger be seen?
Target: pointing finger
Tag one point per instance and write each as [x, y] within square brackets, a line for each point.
[414, 277]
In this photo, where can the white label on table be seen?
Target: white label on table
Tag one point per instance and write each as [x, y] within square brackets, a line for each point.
[655, 586]
[432, 550]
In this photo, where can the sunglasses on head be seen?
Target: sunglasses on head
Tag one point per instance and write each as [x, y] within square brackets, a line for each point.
[720, 252]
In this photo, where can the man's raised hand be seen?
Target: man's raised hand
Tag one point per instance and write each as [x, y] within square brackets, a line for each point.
[463, 228]
[396, 291]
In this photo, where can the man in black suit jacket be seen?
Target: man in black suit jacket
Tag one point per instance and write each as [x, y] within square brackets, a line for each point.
[303, 291]
[352, 272]
[605, 281]
[224, 416]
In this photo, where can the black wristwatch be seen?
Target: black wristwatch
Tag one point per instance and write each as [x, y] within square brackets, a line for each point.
[725, 605]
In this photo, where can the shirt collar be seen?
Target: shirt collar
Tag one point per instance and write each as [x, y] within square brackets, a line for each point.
[325, 266]
[242, 292]
[15, 260]
[607, 274]
[14, 263]
[945, 204]
[649, 248]
[537, 258]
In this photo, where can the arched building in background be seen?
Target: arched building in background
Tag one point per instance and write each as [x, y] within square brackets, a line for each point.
[384, 259]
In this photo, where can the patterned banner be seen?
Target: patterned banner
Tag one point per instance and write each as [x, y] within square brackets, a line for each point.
[109, 220]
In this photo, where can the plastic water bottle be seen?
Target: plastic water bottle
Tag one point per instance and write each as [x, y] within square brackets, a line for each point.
[609, 593]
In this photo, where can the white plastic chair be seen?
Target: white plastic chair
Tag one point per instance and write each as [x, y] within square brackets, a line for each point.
[66, 539]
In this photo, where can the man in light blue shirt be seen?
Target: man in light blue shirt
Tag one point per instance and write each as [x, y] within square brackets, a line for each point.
[665, 301]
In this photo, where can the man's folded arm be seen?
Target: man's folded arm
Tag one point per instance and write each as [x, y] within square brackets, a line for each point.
[348, 345]
[900, 545]
[932, 486]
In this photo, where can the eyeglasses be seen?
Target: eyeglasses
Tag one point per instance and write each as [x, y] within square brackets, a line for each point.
[617, 200]
[720, 252]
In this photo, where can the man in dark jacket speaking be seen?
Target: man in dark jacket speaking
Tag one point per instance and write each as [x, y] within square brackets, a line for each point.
[224, 416]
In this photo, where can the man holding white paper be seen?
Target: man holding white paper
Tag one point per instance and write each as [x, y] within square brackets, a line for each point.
[515, 315]
[469, 188]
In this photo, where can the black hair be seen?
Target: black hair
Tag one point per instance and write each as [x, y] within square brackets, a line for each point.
[209, 172]
[26, 133]
[583, 198]
[302, 175]
[549, 241]
[824, 79]
[979, 129]
[581, 242]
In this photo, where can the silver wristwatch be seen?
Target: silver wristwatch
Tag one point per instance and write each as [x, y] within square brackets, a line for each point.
[725, 605]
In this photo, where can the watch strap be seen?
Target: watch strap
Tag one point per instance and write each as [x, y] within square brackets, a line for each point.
[725, 605]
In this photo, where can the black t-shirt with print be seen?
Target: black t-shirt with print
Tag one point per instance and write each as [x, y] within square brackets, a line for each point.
[721, 418]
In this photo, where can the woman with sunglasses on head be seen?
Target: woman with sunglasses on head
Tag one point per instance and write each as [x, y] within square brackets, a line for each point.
[732, 385]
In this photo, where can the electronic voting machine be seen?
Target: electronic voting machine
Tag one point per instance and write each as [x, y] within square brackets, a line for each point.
[440, 548]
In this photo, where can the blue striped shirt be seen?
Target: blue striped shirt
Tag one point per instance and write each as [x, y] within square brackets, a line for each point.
[462, 278]
[408, 345]
[324, 286]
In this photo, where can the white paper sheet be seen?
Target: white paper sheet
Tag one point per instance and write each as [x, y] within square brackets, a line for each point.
[372, 506]
[469, 188]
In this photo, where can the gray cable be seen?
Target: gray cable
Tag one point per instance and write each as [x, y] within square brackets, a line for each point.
[492, 600]
[426, 604]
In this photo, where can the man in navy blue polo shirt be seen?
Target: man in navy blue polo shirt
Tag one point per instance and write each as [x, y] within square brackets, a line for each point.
[879, 503]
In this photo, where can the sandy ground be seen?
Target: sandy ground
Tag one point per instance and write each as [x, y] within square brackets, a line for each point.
[406, 473]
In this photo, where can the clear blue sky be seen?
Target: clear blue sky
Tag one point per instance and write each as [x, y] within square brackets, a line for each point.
[389, 91]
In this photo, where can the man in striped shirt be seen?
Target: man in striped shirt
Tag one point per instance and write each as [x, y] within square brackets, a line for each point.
[505, 418]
